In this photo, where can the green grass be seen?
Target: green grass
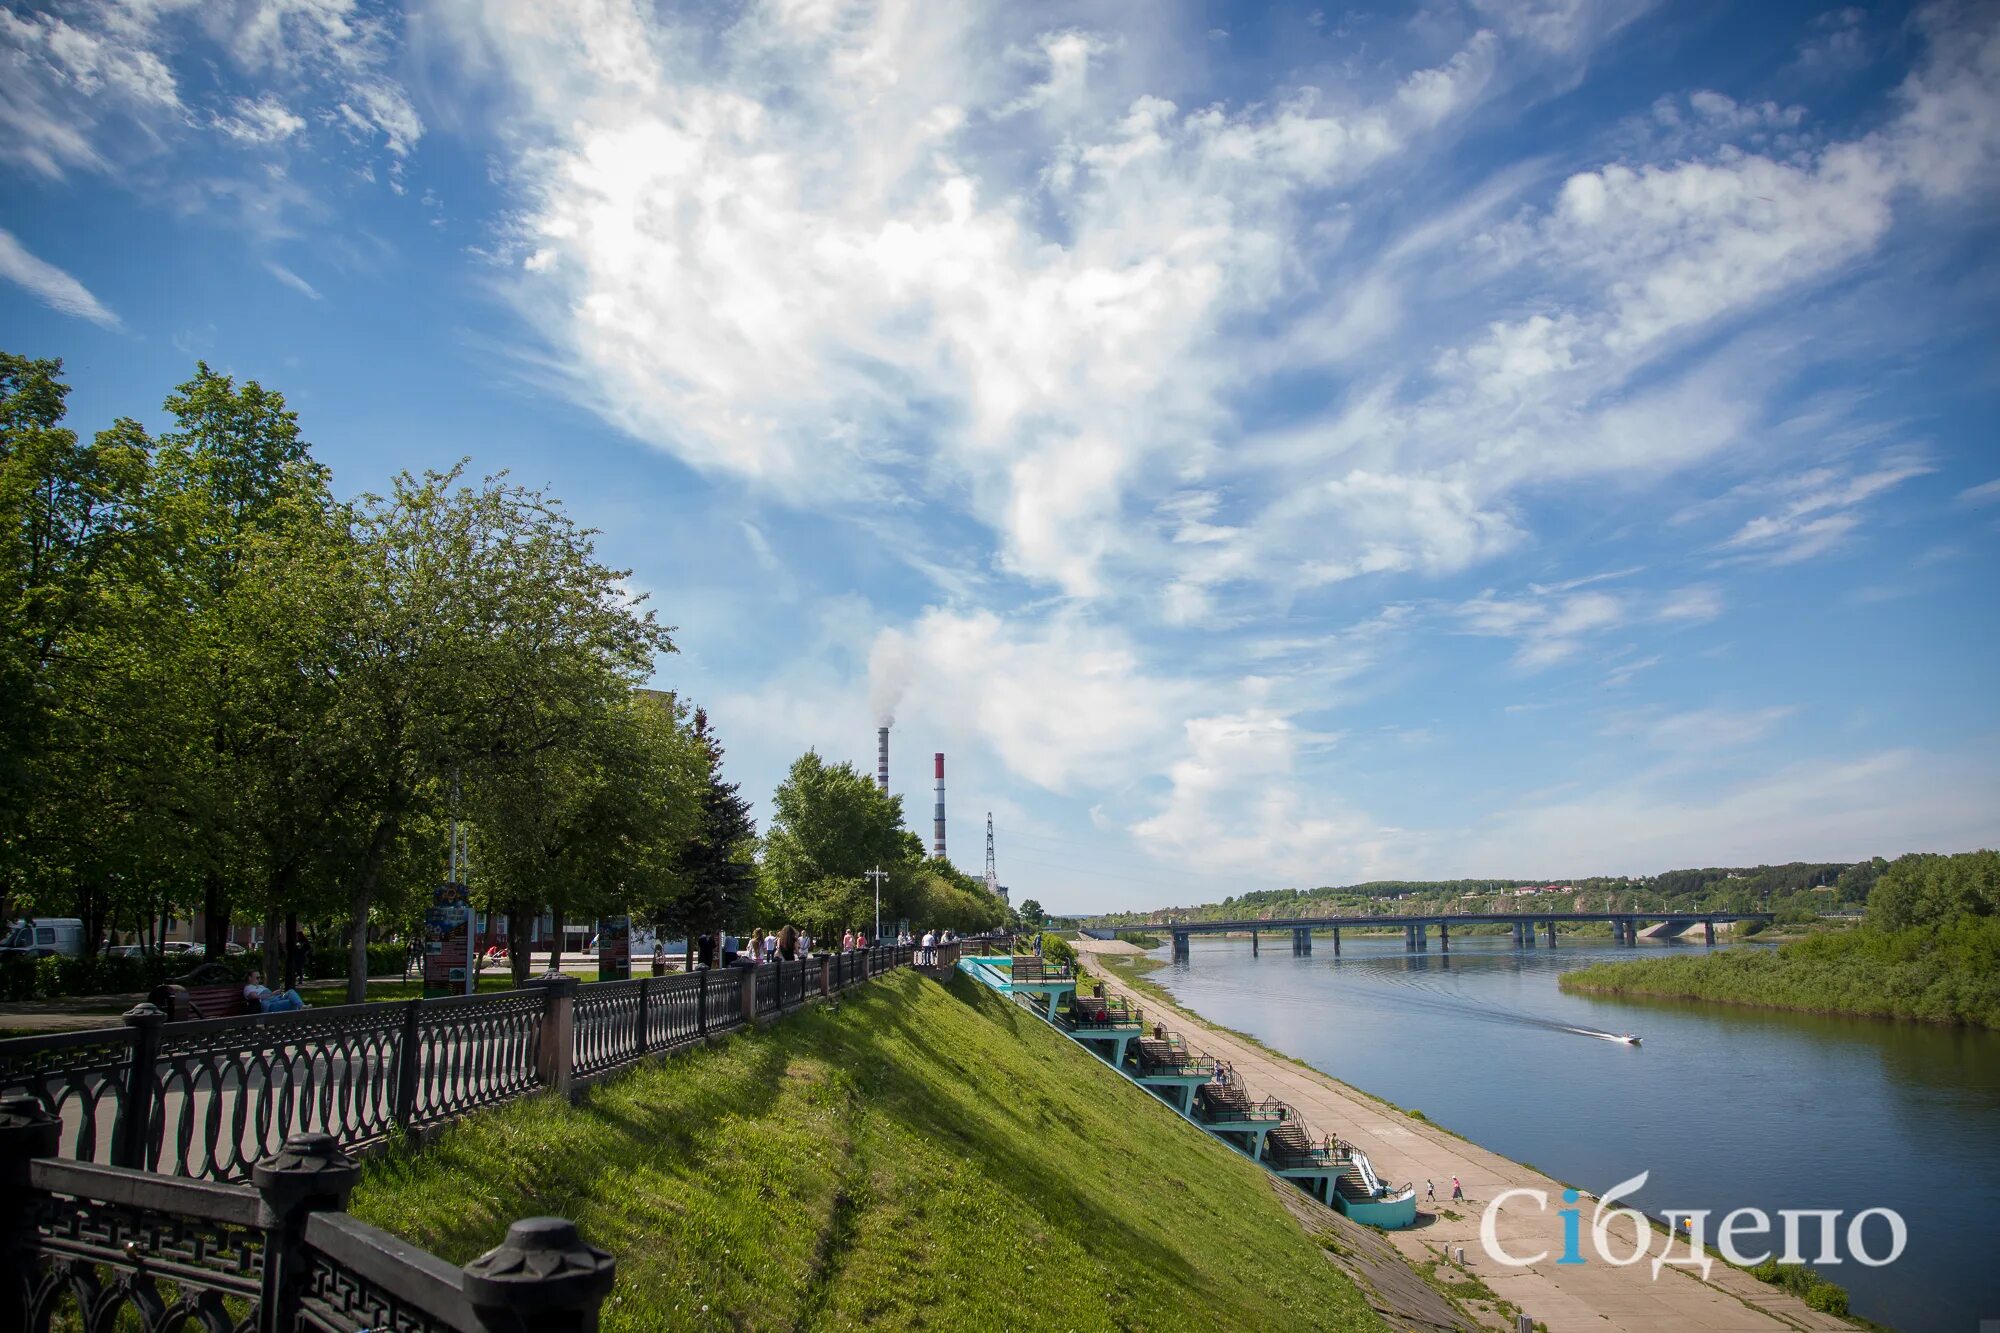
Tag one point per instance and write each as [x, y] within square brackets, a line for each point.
[915, 1157]
[1943, 974]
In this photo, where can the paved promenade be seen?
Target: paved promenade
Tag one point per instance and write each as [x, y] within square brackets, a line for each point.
[1589, 1296]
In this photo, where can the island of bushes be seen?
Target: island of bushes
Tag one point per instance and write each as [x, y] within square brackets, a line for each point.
[1928, 949]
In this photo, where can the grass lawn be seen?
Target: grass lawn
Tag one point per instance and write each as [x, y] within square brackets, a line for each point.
[915, 1157]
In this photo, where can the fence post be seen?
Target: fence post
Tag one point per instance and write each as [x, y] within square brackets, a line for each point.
[701, 1003]
[544, 1276]
[555, 1054]
[825, 975]
[26, 1133]
[409, 1064]
[749, 984]
[645, 1014]
[309, 1174]
[142, 1088]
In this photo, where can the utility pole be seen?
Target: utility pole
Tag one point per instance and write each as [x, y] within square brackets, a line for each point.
[878, 874]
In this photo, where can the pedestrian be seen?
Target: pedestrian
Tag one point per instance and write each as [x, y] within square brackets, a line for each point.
[847, 940]
[1457, 1190]
[928, 956]
[263, 999]
[1430, 1192]
[860, 939]
[788, 943]
[659, 959]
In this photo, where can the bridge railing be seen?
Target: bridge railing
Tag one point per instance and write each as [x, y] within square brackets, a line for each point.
[83, 1245]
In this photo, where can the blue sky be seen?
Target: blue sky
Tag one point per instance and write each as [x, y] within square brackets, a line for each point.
[1261, 446]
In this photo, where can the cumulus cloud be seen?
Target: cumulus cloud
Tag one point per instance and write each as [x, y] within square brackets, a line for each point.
[50, 285]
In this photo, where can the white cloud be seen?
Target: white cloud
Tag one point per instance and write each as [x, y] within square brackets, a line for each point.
[51, 285]
[1983, 494]
[266, 120]
[1692, 604]
[1818, 513]
[1700, 730]
[1838, 809]
[1235, 800]
[1062, 702]
[93, 85]
[291, 279]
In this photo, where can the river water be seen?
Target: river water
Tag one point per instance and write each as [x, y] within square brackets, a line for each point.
[1725, 1107]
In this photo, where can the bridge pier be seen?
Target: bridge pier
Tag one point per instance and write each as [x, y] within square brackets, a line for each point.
[1180, 946]
[1253, 944]
[1552, 934]
[1336, 940]
[1444, 937]
[1423, 937]
[1302, 942]
[1708, 929]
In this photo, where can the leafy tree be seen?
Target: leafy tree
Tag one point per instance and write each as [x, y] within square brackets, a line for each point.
[830, 825]
[485, 632]
[1032, 915]
[235, 471]
[71, 528]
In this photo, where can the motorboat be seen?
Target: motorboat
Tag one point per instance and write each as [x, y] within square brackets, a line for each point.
[1629, 1039]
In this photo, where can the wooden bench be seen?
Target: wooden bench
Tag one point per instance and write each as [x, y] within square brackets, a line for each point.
[210, 991]
[1027, 967]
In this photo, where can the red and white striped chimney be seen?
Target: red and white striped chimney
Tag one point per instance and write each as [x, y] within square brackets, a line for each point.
[882, 758]
[937, 832]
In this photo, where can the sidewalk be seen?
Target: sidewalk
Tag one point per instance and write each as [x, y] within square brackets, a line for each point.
[1589, 1296]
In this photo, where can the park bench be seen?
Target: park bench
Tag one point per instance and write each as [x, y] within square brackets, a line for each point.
[210, 991]
[1027, 967]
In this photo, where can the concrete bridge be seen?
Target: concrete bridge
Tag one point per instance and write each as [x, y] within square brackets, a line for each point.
[1417, 927]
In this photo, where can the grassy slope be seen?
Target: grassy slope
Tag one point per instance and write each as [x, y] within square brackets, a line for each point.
[916, 1157]
[1950, 974]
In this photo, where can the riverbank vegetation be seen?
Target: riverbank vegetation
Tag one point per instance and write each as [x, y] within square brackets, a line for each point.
[1929, 950]
[913, 1151]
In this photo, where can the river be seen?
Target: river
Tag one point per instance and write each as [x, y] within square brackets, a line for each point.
[1725, 1107]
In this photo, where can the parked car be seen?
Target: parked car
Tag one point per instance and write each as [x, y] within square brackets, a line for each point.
[45, 937]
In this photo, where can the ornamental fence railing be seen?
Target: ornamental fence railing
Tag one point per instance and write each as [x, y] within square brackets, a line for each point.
[103, 1247]
[210, 1098]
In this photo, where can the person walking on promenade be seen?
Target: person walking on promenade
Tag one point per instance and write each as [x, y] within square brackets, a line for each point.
[788, 944]
[847, 941]
[1430, 1192]
[1457, 1190]
[928, 948]
[860, 939]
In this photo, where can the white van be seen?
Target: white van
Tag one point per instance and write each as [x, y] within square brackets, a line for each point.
[45, 937]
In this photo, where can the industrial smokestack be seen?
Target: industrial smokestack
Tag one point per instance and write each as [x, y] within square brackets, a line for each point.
[937, 834]
[882, 758]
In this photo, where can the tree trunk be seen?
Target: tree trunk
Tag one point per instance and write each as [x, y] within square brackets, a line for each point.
[363, 899]
[556, 940]
[274, 948]
[518, 959]
[214, 914]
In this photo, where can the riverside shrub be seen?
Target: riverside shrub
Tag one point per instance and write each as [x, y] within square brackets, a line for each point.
[1942, 974]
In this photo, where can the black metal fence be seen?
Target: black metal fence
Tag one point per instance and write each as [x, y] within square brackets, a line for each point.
[210, 1098]
[102, 1247]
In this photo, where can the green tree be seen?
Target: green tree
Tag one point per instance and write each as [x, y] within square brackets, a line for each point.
[485, 633]
[1031, 914]
[715, 871]
[234, 471]
[830, 826]
[71, 529]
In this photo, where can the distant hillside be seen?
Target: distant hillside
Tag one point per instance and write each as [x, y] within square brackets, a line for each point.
[1798, 889]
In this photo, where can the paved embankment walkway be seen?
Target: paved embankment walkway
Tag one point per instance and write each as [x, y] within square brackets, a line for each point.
[1591, 1296]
